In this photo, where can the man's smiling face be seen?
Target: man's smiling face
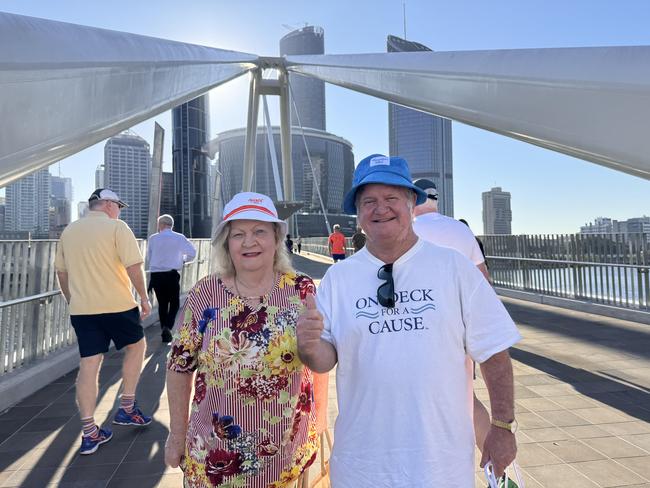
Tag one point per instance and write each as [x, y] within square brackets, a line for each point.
[385, 212]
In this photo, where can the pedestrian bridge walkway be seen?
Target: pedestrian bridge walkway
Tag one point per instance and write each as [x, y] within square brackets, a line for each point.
[582, 397]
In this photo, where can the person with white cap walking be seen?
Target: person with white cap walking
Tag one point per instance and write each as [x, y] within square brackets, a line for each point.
[399, 338]
[252, 419]
[97, 261]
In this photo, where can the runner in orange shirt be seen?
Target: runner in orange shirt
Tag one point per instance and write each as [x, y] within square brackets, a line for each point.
[336, 243]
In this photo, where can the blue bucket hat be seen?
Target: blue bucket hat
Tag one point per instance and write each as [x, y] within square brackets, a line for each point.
[384, 170]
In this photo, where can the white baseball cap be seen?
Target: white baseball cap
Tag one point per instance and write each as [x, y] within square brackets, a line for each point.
[106, 194]
[250, 206]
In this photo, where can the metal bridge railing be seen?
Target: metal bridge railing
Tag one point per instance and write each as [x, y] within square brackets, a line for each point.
[34, 319]
[608, 269]
[618, 285]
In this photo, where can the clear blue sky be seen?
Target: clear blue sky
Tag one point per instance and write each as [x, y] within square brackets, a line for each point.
[551, 193]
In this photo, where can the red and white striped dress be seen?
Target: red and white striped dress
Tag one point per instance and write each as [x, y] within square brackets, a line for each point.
[252, 418]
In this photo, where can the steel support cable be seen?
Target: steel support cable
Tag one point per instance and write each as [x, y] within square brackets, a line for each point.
[311, 165]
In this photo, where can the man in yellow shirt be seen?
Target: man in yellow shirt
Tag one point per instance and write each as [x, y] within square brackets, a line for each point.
[97, 261]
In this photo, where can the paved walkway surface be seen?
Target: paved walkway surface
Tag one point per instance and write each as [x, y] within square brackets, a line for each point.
[582, 397]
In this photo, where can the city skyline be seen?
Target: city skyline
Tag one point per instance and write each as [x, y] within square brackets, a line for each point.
[544, 183]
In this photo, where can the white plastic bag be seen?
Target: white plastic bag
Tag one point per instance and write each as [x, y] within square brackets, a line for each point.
[493, 482]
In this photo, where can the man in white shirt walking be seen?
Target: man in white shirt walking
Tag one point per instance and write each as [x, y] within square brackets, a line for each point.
[167, 252]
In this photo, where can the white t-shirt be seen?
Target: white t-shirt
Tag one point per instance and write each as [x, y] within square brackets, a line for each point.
[447, 232]
[403, 383]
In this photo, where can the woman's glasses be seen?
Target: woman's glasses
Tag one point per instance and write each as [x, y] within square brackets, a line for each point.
[386, 291]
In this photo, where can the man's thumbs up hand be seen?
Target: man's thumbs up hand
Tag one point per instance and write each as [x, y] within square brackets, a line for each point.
[310, 327]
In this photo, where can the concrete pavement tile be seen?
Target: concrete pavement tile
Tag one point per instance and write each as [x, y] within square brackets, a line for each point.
[624, 428]
[571, 451]
[600, 386]
[531, 421]
[562, 418]
[535, 455]
[32, 478]
[21, 413]
[51, 457]
[44, 424]
[561, 389]
[519, 409]
[546, 434]
[523, 438]
[639, 440]
[99, 472]
[608, 473]
[574, 401]
[615, 447]
[13, 461]
[559, 475]
[141, 469]
[640, 465]
[600, 415]
[172, 480]
[79, 484]
[536, 379]
[537, 404]
[586, 431]
[525, 392]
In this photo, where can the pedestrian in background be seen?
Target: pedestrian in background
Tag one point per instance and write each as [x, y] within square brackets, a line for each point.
[97, 261]
[336, 244]
[167, 252]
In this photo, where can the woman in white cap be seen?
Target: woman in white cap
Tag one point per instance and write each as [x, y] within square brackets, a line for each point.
[252, 420]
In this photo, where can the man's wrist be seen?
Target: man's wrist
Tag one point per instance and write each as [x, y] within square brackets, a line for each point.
[511, 425]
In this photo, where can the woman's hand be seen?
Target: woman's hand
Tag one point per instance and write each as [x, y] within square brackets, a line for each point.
[174, 449]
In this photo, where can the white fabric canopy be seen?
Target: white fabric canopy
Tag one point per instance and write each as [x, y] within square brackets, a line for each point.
[591, 103]
[64, 87]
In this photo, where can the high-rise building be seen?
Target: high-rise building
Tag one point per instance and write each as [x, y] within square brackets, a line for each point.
[167, 195]
[308, 94]
[28, 204]
[82, 209]
[497, 216]
[331, 157]
[601, 225]
[99, 176]
[127, 164]
[2, 214]
[423, 140]
[190, 167]
[60, 205]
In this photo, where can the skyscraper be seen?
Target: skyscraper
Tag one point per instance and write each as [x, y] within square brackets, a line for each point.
[423, 140]
[127, 168]
[28, 204]
[60, 204]
[497, 216]
[308, 94]
[167, 195]
[190, 168]
[99, 176]
[333, 162]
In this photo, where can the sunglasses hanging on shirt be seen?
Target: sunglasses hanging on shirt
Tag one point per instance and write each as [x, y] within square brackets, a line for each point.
[386, 291]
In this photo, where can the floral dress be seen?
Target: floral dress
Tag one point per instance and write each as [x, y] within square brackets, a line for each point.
[252, 418]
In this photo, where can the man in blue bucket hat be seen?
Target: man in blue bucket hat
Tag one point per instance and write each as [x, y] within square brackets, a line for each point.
[401, 337]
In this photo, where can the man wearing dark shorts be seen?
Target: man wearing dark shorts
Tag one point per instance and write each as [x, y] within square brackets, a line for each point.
[336, 243]
[97, 261]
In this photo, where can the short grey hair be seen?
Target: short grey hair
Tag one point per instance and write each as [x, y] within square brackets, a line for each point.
[223, 266]
[166, 219]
